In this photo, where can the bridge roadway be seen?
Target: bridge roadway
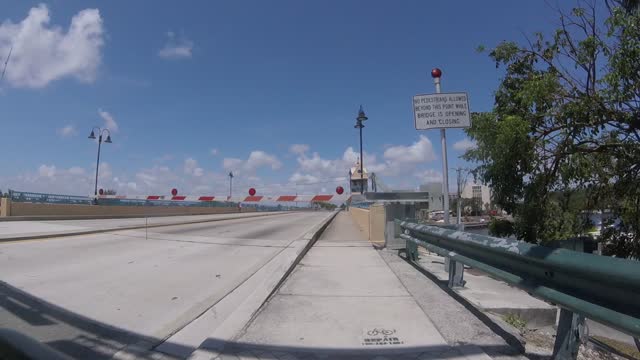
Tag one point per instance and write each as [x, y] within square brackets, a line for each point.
[210, 291]
[89, 296]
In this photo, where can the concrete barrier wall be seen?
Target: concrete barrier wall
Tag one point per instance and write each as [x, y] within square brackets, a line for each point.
[377, 223]
[361, 218]
[5, 207]
[371, 222]
[32, 209]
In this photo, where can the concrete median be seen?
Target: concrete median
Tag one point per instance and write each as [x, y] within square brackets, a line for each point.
[13, 210]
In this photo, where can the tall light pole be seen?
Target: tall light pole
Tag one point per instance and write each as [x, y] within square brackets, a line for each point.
[230, 183]
[108, 141]
[359, 125]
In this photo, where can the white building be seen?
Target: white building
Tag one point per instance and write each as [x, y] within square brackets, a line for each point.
[472, 190]
[435, 195]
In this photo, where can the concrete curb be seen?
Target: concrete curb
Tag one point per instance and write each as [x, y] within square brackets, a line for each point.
[134, 227]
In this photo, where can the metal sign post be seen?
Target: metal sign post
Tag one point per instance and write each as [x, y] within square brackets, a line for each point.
[442, 111]
[445, 164]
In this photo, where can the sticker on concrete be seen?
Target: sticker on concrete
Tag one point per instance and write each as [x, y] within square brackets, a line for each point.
[380, 336]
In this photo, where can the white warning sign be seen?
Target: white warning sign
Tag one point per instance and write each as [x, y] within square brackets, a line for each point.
[445, 110]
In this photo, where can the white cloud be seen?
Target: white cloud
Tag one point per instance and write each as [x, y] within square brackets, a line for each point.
[105, 173]
[260, 158]
[192, 180]
[47, 171]
[76, 170]
[231, 163]
[464, 144]
[191, 167]
[299, 149]
[429, 176]
[256, 160]
[109, 122]
[303, 178]
[157, 180]
[398, 160]
[213, 152]
[418, 152]
[43, 53]
[67, 131]
[176, 48]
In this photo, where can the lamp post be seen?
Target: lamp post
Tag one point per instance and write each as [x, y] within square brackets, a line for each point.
[359, 125]
[108, 141]
[230, 184]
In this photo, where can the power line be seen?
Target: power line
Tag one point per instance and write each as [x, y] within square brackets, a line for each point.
[5, 63]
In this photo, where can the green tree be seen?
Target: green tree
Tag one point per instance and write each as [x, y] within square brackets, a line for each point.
[564, 133]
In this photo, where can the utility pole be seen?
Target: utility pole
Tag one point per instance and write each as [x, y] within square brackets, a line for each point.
[461, 182]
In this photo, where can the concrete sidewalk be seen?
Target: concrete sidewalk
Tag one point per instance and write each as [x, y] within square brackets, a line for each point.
[341, 302]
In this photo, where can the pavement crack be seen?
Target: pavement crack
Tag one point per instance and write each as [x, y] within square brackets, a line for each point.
[198, 242]
[346, 296]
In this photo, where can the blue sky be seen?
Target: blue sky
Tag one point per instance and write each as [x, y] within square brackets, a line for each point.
[193, 90]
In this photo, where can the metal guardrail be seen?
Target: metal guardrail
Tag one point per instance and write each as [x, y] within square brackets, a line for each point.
[44, 198]
[601, 288]
[33, 197]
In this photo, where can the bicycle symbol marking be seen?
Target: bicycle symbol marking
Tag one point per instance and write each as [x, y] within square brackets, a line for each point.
[375, 332]
[381, 336]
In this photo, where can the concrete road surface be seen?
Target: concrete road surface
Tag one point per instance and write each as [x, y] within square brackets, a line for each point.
[89, 296]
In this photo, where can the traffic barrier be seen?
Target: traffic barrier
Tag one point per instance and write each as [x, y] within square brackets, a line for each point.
[248, 199]
[602, 288]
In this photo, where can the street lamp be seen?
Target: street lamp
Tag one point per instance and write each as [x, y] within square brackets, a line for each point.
[230, 183]
[359, 125]
[100, 132]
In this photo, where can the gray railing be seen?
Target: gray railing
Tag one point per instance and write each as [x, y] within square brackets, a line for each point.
[602, 288]
[33, 197]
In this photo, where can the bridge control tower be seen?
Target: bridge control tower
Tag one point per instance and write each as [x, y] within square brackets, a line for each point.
[358, 181]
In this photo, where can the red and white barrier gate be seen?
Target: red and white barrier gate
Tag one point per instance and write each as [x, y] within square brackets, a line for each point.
[250, 198]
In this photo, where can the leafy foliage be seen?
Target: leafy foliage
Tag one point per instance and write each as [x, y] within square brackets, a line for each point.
[501, 227]
[564, 133]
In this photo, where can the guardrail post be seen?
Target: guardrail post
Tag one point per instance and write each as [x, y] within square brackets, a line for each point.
[456, 274]
[412, 251]
[571, 330]
[389, 232]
